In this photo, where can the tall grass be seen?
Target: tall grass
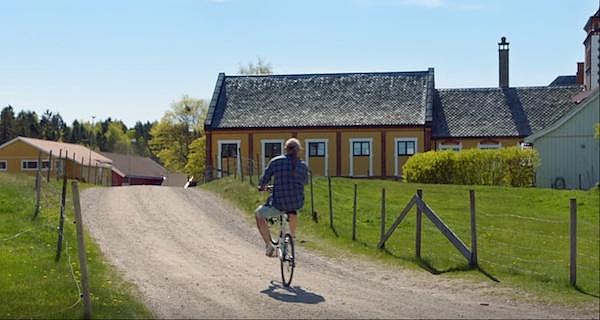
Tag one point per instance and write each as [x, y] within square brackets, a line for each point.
[32, 284]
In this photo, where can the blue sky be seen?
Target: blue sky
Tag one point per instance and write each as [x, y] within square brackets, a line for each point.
[130, 59]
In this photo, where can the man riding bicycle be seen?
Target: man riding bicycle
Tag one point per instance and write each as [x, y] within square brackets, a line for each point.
[290, 175]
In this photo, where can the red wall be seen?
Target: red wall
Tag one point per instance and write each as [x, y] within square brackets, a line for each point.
[117, 180]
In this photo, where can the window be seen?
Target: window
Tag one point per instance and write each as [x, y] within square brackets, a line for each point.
[316, 149]
[361, 148]
[229, 150]
[406, 148]
[452, 147]
[272, 149]
[3, 165]
[489, 144]
[29, 164]
[45, 164]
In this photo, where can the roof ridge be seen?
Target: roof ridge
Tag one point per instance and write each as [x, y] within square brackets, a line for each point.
[498, 88]
[424, 72]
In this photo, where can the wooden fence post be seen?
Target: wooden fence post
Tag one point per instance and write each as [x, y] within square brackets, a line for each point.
[573, 242]
[241, 164]
[354, 213]
[61, 218]
[89, 171]
[49, 166]
[228, 166]
[38, 186]
[258, 172]
[59, 159]
[81, 169]
[419, 227]
[382, 218]
[64, 165]
[312, 200]
[74, 175]
[473, 261]
[87, 313]
[330, 206]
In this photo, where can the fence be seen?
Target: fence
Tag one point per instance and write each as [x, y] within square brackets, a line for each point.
[510, 246]
[496, 241]
[46, 196]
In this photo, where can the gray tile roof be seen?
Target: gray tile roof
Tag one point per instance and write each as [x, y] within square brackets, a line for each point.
[481, 112]
[322, 100]
[564, 81]
[135, 166]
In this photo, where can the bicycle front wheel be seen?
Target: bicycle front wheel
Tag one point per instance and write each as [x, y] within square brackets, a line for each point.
[287, 258]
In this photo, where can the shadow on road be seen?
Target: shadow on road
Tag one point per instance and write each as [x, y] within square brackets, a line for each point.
[293, 294]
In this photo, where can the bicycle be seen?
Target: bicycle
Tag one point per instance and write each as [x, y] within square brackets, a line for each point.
[284, 246]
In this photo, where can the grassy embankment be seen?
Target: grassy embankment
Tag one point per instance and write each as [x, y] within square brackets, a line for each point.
[523, 233]
[32, 284]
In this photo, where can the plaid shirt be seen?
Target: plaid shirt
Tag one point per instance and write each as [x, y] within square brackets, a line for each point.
[288, 187]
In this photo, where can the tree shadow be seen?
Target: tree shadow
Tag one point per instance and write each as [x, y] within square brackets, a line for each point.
[293, 294]
[585, 292]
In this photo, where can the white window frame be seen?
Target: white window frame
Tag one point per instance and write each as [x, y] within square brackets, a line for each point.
[326, 141]
[489, 146]
[221, 142]
[351, 155]
[5, 165]
[403, 139]
[262, 152]
[29, 169]
[446, 146]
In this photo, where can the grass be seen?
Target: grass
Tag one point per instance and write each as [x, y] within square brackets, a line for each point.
[32, 284]
[523, 233]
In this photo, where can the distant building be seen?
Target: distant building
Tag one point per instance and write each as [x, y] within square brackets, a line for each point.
[369, 124]
[135, 170]
[21, 155]
[569, 152]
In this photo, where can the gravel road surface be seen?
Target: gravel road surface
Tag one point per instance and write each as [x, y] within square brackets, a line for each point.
[193, 255]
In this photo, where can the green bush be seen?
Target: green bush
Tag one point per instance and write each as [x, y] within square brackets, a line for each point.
[507, 166]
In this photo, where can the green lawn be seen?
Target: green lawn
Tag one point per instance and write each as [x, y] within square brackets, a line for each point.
[32, 284]
[523, 233]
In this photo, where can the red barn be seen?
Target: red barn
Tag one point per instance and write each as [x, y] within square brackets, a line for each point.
[135, 170]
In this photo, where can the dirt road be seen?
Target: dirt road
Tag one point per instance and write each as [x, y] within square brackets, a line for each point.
[192, 255]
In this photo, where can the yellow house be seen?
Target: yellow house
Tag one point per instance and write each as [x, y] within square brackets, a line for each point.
[22, 155]
[350, 124]
[489, 118]
[367, 124]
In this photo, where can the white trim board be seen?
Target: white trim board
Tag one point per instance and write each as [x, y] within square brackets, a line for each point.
[351, 157]
[306, 142]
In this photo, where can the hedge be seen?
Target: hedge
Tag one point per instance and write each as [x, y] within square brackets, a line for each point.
[511, 166]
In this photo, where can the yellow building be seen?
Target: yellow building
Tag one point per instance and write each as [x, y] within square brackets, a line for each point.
[356, 124]
[22, 155]
[366, 124]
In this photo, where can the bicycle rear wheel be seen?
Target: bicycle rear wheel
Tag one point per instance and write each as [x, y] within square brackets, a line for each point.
[287, 259]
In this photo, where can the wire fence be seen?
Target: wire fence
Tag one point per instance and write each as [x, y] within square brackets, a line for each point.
[44, 233]
[523, 242]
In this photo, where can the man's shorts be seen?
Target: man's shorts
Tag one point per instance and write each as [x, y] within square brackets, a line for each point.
[270, 211]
